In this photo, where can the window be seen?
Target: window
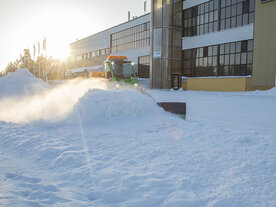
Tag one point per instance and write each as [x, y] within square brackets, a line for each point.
[131, 38]
[229, 59]
[201, 19]
[204, 18]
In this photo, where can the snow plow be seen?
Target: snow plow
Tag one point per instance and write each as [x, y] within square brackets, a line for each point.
[178, 108]
[119, 69]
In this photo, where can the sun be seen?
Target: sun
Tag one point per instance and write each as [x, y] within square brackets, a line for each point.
[59, 51]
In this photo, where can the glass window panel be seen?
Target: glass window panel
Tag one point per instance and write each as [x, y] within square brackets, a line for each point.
[233, 22]
[226, 70]
[211, 5]
[215, 50]
[215, 26]
[206, 7]
[227, 48]
[237, 70]
[231, 70]
[245, 19]
[205, 63]
[205, 51]
[251, 17]
[222, 49]
[210, 60]
[222, 24]
[249, 69]
[206, 18]
[214, 61]
[239, 21]
[232, 47]
[228, 23]
[201, 29]
[201, 52]
[250, 57]
[221, 60]
[234, 10]
[232, 59]
[228, 2]
[252, 5]
[222, 14]
[216, 15]
[211, 27]
[239, 9]
[211, 16]
[202, 8]
[210, 51]
[222, 3]
[226, 60]
[244, 46]
[243, 69]
[243, 58]
[206, 28]
[250, 45]
[202, 19]
[245, 7]
[215, 4]
[228, 12]
[200, 62]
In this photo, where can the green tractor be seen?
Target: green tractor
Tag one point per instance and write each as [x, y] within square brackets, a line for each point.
[118, 68]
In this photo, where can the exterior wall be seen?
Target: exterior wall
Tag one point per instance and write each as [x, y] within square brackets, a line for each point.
[218, 84]
[82, 50]
[264, 66]
[218, 38]
[101, 40]
[166, 27]
[224, 36]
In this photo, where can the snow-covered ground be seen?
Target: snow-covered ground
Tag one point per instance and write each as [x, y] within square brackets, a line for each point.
[85, 143]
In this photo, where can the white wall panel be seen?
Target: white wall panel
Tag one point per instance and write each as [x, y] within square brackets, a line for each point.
[191, 3]
[215, 38]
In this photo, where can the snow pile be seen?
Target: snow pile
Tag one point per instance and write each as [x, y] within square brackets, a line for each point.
[123, 150]
[271, 92]
[99, 106]
[26, 99]
[20, 83]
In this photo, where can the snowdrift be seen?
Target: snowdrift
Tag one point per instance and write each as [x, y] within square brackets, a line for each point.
[133, 153]
[26, 99]
[21, 83]
[99, 106]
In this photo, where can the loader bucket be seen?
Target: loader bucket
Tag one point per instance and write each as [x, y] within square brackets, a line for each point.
[178, 108]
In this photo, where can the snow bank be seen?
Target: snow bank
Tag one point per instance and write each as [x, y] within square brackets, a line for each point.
[26, 99]
[20, 83]
[99, 106]
[133, 153]
[271, 92]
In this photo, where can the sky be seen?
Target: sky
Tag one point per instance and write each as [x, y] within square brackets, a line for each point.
[24, 23]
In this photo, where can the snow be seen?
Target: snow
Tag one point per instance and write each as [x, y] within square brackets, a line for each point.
[20, 83]
[92, 145]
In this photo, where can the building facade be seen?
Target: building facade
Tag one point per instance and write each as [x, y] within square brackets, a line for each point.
[131, 38]
[214, 44]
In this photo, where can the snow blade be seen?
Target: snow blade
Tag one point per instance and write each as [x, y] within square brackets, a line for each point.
[174, 107]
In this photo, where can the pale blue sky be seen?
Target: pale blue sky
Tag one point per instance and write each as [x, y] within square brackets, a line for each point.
[25, 22]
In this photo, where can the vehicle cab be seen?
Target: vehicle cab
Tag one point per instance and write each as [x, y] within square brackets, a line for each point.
[118, 68]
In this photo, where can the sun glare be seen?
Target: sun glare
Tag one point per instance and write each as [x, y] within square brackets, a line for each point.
[59, 51]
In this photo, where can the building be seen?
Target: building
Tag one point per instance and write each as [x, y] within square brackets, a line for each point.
[131, 38]
[219, 45]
